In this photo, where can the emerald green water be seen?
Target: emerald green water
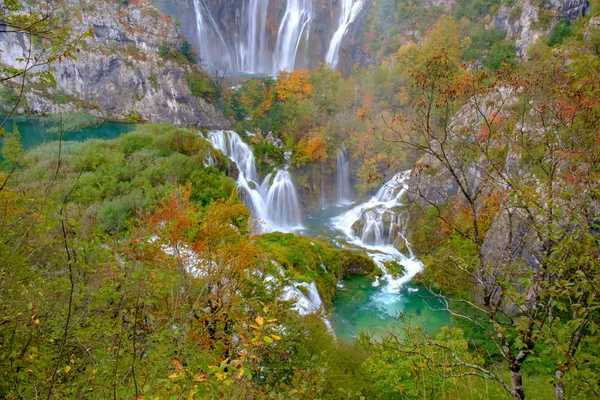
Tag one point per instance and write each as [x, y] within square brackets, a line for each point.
[35, 132]
[358, 306]
[361, 307]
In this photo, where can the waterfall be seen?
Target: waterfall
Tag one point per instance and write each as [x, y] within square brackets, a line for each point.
[251, 49]
[305, 303]
[343, 178]
[348, 13]
[247, 44]
[282, 201]
[213, 46]
[378, 217]
[294, 25]
[274, 202]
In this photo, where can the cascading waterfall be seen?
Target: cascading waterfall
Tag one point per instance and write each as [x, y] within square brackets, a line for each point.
[294, 25]
[251, 49]
[380, 248]
[213, 46]
[274, 202]
[343, 178]
[348, 13]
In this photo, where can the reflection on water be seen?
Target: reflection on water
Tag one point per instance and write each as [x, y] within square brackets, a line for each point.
[35, 132]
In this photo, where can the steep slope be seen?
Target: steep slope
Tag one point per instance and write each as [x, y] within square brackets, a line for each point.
[118, 72]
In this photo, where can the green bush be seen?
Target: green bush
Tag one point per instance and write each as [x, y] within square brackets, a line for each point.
[502, 55]
[113, 214]
[201, 85]
[560, 31]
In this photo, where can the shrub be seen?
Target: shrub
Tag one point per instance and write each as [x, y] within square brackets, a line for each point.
[502, 55]
[201, 85]
[559, 32]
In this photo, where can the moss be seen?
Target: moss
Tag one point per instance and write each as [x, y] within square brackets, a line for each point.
[307, 259]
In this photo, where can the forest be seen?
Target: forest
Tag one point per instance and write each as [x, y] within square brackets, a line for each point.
[135, 267]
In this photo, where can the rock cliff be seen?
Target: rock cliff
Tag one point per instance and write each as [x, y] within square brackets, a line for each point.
[118, 73]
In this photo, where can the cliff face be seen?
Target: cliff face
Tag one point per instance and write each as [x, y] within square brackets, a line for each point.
[118, 72]
[526, 21]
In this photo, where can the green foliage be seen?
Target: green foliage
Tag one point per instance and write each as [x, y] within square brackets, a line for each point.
[502, 56]
[560, 31]
[11, 151]
[8, 97]
[181, 52]
[310, 259]
[202, 86]
[71, 122]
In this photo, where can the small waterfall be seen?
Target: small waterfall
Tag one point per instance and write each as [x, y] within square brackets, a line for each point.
[294, 25]
[274, 202]
[282, 201]
[343, 178]
[348, 13]
[378, 217]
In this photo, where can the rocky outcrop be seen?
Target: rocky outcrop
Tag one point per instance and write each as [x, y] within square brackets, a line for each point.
[352, 49]
[524, 24]
[118, 73]
[354, 263]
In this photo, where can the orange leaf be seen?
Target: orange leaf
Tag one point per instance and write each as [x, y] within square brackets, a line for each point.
[201, 377]
[177, 364]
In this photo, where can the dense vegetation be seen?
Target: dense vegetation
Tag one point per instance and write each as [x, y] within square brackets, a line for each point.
[129, 268]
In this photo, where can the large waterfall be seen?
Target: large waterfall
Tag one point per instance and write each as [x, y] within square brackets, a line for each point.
[251, 48]
[377, 237]
[259, 37]
[274, 202]
[348, 13]
[293, 27]
[213, 46]
[343, 178]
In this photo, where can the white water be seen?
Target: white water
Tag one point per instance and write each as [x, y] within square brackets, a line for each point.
[213, 46]
[294, 25]
[251, 47]
[378, 247]
[343, 178]
[348, 13]
[274, 202]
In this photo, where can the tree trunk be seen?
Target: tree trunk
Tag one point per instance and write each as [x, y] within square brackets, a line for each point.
[517, 384]
[559, 386]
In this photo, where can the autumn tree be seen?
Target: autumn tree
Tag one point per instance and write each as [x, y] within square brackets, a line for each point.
[525, 142]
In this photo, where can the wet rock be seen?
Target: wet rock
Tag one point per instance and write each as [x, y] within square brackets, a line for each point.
[354, 263]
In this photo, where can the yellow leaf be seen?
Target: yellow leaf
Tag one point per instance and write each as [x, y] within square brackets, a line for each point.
[176, 374]
[268, 339]
[221, 376]
[276, 337]
[37, 321]
[240, 373]
[260, 320]
[67, 369]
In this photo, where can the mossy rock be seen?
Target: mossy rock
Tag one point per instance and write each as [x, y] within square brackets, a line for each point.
[354, 263]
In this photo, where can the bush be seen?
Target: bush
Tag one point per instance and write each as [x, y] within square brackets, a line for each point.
[201, 85]
[559, 32]
[502, 55]
[71, 121]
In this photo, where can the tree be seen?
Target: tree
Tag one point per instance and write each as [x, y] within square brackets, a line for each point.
[525, 142]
